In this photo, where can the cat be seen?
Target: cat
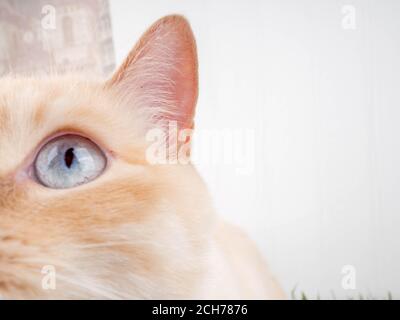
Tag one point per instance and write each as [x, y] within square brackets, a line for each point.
[84, 215]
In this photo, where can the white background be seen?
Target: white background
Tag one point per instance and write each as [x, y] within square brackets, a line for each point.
[324, 105]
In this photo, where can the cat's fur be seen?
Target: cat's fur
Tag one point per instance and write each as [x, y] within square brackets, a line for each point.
[139, 230]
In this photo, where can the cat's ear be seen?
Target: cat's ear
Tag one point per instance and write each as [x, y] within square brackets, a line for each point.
[159, 76]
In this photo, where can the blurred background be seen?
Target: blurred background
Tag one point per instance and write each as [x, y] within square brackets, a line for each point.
[306, 95]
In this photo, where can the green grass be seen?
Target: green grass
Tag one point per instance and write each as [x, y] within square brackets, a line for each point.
[301, 295]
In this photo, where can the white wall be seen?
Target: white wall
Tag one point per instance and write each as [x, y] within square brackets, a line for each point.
[324, 105]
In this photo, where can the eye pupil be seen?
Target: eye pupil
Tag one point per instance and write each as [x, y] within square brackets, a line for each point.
[69, 157]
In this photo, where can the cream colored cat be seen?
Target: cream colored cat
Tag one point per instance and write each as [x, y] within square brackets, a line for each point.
[83, 214]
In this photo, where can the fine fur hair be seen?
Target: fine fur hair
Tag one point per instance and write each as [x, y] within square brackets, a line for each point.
[140, 230]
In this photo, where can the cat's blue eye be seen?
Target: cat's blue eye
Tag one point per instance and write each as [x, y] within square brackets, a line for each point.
[69, 161]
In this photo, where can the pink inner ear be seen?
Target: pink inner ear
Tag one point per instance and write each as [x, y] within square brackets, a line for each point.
[160, 74]
[185, 89]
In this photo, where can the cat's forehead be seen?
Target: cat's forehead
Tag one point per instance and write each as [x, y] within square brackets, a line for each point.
[22, 98]
[33, 109]
[29, 110]
[28, 105]
[22, 103]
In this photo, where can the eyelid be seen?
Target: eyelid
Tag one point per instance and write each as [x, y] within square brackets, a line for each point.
[65, 132]
[72, 132]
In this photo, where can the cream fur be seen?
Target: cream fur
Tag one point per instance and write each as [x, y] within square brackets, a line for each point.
[139, 231]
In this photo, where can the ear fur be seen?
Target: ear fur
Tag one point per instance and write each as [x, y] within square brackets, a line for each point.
[159, 76]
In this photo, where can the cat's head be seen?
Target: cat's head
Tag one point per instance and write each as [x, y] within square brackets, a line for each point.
[86, 209]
